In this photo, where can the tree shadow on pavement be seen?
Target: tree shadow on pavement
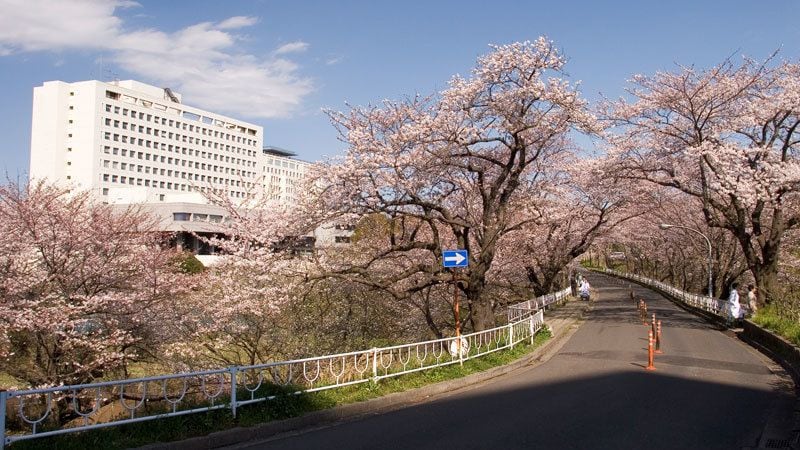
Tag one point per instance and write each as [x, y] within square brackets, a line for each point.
[613, 411]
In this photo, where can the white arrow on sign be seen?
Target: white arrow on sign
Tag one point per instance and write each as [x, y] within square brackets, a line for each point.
[458, 258]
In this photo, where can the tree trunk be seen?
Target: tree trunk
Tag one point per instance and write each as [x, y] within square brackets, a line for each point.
[480, 307]
[766, 282]
[763, 264]
[543, 283]
[482, 316]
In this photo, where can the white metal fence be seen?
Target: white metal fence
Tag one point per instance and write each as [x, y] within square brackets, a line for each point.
[38, 413]
[708, 304]
[519, 311]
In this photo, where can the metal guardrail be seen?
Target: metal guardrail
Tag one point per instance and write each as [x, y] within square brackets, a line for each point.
[98, 405]
[518, 311]
[712, 305]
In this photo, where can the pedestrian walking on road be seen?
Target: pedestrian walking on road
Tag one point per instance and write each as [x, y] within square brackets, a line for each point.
[752, 299]
[573, 286]
[733, 304]
[585, 289]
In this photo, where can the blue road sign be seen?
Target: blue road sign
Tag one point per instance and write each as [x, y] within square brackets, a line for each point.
[455, 258]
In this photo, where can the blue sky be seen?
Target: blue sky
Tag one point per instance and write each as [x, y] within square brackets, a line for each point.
[279, 63]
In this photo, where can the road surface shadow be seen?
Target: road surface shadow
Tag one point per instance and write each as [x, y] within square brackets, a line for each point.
[614, 411]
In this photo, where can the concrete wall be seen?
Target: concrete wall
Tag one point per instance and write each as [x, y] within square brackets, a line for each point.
[774, 346]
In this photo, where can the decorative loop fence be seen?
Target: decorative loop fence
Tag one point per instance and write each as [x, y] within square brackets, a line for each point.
[35, 413]
[712, 305]
[519, 311]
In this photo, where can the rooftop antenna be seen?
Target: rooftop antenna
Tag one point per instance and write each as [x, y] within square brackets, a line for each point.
[168, 94]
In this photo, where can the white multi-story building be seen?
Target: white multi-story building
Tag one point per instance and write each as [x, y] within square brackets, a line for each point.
[129, 142]
[282, 174]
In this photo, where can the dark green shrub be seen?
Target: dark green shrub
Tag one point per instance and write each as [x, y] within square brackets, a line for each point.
[188, 263]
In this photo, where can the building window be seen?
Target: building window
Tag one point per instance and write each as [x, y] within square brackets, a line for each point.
[342, 239]
[181, 216]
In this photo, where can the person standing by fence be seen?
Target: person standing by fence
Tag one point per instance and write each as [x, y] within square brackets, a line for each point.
[733, 304]
[752, 299]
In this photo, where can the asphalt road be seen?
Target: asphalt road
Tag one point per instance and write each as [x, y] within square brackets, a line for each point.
[709, 391]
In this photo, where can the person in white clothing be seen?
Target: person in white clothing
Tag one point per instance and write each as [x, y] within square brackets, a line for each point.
[733, 304]
[585, 289]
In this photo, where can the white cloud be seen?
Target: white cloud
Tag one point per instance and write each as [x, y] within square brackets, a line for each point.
[34, 25]
[201, 61]
[292, 47]
[237, 22]
[333, 60]
[197, 63]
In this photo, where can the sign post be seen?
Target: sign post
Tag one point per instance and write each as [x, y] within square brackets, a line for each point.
[454, 259]
[455, 304]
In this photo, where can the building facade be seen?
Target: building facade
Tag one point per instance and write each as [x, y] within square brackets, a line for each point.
[281, 174]
[129, 142]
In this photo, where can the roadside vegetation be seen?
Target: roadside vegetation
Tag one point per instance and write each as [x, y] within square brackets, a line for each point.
[772, 319]
[285, 405]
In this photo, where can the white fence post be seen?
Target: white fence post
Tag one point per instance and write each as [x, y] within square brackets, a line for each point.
[374, 364]
[233, 370]
[511, 335]
[532, 331]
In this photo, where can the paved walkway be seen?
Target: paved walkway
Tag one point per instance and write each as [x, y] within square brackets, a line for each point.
[709, 391]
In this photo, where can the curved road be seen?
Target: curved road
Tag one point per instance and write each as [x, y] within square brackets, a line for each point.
[709, 391]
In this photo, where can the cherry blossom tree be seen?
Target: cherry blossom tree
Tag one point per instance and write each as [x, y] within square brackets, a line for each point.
[235, 319]
[454, 170]
[84, 289]
[676, 256]
[727, 136]
[585, 205]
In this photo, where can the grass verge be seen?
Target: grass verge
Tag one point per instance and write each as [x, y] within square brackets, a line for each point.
[285, 405]
[769, 318]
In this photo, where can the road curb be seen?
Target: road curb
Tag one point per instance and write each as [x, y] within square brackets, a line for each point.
[785, 354]
[378, 405]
